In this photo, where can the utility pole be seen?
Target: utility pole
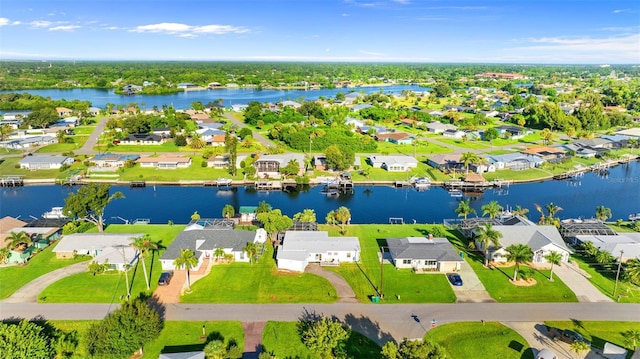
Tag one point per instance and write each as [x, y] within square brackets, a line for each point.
[381, 269]
[615, 287]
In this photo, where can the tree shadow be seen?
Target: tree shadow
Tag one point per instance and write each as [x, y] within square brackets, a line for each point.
[492, 267]
[577, 323]
[368, 328]
[193, 347]
[154, 303]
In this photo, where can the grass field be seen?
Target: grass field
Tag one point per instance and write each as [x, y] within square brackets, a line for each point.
[259, 283]
[605, 282]
[399, 286]
[599, 332]
[282, 340]
[110, 287]
[14, 277]
[471, 340]
[79, 141]
[194, 172]
[8, 167]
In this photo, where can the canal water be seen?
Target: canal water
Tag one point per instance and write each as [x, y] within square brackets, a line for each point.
[619, 190]
[183, 100]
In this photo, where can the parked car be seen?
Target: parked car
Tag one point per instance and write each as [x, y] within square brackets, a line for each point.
[567, 336]
[165, 278]
[455, 279]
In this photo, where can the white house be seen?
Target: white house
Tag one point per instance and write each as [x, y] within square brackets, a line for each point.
[439, 127]
[165, 161]
[269, 165]
[45, 162]
[112, 159]
[541, 239]
[393, 163]
[205, 236]
[300, 248]
[428, 254]
[112, 248]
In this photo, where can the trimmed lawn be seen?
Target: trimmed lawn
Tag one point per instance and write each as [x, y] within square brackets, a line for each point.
[110, 287]
[422, 148]
[379, 174]
[282, 340]
[259, 283]
[605, 282]
[400, 286]
[523, 175]
[8, 167]
[195, 172]
[164, 147]
[14, 277]
[477, 145]
[176, 336]
[496, 281]
[599, 332]
[473, 340]
[79, 141]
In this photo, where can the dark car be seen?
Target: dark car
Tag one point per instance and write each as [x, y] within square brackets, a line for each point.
[567, 336]
[454, 279]
[165, 278]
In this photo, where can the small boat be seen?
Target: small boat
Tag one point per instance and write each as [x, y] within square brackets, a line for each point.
[634, 216]
[456, 193]
[223, 182]
[54, 213]
[421, 182]
[330, 191]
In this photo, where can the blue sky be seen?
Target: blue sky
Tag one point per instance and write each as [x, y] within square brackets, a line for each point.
[517, 31]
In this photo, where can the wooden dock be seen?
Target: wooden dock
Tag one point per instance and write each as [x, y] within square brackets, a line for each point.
[11, 181]
[137, 184]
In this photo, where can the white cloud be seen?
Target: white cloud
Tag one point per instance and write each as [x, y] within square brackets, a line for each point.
[619, 11]
[64, 28]
[184, 30]
[4, 21]
[40, 23]
[345, 15]
[402, 1]
[16, 22]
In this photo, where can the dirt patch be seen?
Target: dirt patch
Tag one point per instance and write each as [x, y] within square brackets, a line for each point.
[524, 282]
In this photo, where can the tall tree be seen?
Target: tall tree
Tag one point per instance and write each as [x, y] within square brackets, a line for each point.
[145, 245]
[603, 213]
[274, 221]
[343, 215]
[519, 254]
[4, 255]
[487, 235]
[188, 261]
[231, 145]
[5, 131]
[25, 340]
[632, 271]
[89, 203]
[323, 336]
[547, 136]
[464, 209]
[252, 251]
[307, 215]
[492, 209]
[632, 338]
[263, 207]
[228, 211]
[521, 211]
[18, 239]
[554, 258]
[549, 218]
[339, 157]
[469, 158]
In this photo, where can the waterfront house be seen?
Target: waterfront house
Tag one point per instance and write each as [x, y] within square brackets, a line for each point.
[424, 254]
[542, 239]
[445, 161]
[514, 161]
[63, 111]
[269, 165]
[238, 107]
[204, 236]
[624, 246]
[186, 85]
[289, 103]
[220, 161]
[94, 111]
[299, 248]
[395, 163]
[45, 162]
[630, 132]
[548, 154]
[165, 161]
[27, 142]
[112, 248]
[142, 139]
[112, 159]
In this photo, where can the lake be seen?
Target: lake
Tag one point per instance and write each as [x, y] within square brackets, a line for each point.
[183, 100]
[620, 191]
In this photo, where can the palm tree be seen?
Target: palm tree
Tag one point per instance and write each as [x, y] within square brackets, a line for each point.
[602, 213]
[492, 208]
[4, 255]
[518, 253]
[464, 209]
[5, 130]
[603, 257]
[632, 270]
[589, 249]
[195, 216]
[252, 250]
[580, 346]
[521, 211]
[554, 258]
[487, 235]
[188, 260]
[215, 349]
[307, 215]
[343, 215]
[469, 158]
[632, 337]
[144, 245]
[228, 211]
[549, 218]
[18, 239]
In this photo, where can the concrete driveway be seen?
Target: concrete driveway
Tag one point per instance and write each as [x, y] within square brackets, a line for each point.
[472, 290]
[576, 279]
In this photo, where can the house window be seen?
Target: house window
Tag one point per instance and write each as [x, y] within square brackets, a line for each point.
[430, 263]
[406, 261]
[348, 254]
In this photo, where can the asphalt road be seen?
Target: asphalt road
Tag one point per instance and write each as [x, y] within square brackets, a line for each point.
[380, 322]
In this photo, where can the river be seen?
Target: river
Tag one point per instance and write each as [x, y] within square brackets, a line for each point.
[183, 100]
[620, 191]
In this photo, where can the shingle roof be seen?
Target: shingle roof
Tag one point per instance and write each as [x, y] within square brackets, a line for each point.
[439, 249]
[213, 238]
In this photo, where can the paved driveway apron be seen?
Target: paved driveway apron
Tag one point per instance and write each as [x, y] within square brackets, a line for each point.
[575, 279]
[29, 292]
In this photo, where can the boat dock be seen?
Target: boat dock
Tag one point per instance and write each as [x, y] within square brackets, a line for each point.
[11, 181]
[266, 185]
[137, 184]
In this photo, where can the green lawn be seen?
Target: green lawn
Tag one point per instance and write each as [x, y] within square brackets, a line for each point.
[84, 130]
[477, 145]
[605, 282]
[14, 277]
[379, 174]
[399, 286]
[195, 172]
[10, 166]
[165, 147]
[496, 281]
[471, 340]
[523, 175]
[282, 340]
[599, 332]
[259, 283]
[423, 148]
[110, 287]
[79, 141]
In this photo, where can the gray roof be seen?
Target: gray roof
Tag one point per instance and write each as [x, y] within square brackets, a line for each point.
[439, 249]
[183, 355]
[44, 159]
[297, 245]
[283, 158]
[626, 243]
[389, 160]
[94, 241]
[534, 236]
[213, 238]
